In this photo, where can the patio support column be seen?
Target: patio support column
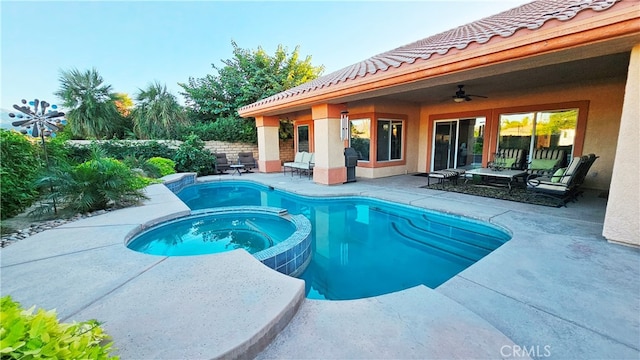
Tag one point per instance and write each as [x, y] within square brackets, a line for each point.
[268, 144]
[329, 166]
[622, 218]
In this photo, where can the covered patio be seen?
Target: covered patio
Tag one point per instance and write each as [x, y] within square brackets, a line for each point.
[542, 57]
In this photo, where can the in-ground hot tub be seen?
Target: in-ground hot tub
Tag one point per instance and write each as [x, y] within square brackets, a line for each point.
[278, 239]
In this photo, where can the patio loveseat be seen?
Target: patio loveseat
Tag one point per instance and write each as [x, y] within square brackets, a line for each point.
[509, 158]
[302, 162]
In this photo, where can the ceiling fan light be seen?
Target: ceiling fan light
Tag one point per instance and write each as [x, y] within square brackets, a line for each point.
[458, 99]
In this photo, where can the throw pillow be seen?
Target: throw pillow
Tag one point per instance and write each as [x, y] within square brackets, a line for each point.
[506, 162]
[557, 176]
[543, 164]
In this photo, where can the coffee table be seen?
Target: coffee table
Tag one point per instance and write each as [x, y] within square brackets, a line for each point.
[236, 169]
[486, 174]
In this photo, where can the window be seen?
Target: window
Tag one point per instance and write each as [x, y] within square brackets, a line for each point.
[360, 138]
[389, 141]
[552, 129]
[303, 138]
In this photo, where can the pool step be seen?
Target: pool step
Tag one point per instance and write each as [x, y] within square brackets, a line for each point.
[461, 244]
[439, 243]
[479, 235]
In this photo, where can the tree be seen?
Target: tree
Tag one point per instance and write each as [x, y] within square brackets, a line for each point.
[246, 78]
[157, 113]
[124, 103]
[92, 111]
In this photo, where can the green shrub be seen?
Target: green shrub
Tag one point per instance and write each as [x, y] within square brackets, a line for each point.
[58, 152]
[193, 157]
[120, 149]
[96, 184]
[235, 130]
[204, 130]
[141, 182]
[25, 335]
[148, 149]
[19, 168]
[165, 166]
[142, 167]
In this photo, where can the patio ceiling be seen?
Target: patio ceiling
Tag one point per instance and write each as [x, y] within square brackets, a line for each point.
[492, 84]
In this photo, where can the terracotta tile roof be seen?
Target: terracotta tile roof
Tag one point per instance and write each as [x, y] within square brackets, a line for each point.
[528, 16]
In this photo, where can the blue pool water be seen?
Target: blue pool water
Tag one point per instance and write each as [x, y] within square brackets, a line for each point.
[364, 247]
[208, 234]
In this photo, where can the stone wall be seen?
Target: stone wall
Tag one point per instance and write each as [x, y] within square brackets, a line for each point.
[231, 149]
[287, 152]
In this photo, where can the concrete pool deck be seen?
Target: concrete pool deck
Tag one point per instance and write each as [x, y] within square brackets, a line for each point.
[556, 290]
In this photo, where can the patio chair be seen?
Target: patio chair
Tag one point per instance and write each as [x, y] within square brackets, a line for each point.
[562, 184]
[582, 175]
[246, 159]
[222, 163]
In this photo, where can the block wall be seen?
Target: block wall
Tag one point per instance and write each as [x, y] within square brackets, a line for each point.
[287, 152]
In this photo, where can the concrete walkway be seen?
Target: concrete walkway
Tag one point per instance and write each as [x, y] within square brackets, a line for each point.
[556, 290]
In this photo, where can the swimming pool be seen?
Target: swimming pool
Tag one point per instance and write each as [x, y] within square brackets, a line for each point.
[364, 247]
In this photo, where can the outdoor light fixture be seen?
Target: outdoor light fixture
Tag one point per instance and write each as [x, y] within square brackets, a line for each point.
[462, 96]
[344, 125]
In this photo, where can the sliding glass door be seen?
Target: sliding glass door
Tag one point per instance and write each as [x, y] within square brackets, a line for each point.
[458, 143]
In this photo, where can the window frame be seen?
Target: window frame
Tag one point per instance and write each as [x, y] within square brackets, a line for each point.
[370, 138]
[373, 128]
[378, 137]
[581, 106]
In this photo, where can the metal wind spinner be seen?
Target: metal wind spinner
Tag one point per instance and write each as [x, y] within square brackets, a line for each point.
[38, 121]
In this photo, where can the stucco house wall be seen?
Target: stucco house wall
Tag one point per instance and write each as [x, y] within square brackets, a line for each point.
[411, 138]
[605, 106]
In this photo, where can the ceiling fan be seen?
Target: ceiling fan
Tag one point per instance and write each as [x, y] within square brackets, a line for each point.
[461, 95]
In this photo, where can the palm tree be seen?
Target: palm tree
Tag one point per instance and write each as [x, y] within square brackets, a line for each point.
[157, 113]
[92, 112]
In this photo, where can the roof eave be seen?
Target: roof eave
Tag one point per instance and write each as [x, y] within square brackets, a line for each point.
[552, 37]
